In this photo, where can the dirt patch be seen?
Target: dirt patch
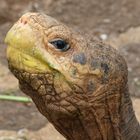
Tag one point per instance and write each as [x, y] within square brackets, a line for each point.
[46, 133]
[15, 116]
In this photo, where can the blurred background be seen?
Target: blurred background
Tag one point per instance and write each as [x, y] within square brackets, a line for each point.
[115, 22]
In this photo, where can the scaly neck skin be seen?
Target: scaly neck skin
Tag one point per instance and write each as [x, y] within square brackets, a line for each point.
[129, 125]
[109, 116]
[98, 122]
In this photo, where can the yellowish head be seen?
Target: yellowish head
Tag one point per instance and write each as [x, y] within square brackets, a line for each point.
[38, 43]
[49, 58]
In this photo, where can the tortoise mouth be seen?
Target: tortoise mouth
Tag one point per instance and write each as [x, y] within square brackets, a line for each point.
[23, 61]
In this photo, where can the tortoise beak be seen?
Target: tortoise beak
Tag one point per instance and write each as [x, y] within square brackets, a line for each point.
[22, 51]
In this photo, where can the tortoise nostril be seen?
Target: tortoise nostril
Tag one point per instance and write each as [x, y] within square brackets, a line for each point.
[23, 20]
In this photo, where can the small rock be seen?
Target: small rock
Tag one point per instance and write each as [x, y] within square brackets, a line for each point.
[129, 69]
[136, 80]
[104, 36]
[22, 134]
[106, 20]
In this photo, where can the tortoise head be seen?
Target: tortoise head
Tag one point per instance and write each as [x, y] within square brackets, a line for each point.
[52, 61]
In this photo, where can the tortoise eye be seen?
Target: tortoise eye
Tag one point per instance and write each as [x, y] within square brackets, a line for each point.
[60, 45]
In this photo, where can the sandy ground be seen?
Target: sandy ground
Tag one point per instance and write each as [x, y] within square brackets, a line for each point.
[117, 23]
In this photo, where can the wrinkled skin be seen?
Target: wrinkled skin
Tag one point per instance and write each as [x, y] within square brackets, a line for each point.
[83, 90]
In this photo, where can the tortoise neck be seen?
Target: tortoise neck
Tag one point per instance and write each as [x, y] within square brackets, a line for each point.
[89, 125]
[108, 119]
[130, 128]
[107, 116]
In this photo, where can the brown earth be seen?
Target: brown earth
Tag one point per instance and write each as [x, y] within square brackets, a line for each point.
[116, 22]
